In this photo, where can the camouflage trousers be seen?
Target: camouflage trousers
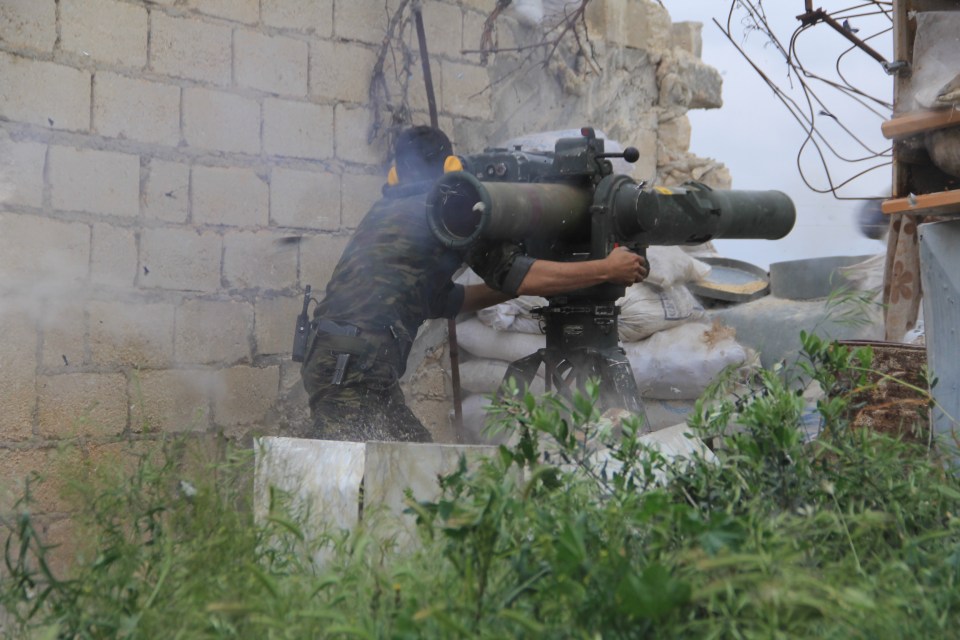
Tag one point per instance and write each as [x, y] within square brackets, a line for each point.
[368, 403]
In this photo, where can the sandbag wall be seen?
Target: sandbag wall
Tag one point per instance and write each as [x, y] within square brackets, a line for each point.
[673, 350]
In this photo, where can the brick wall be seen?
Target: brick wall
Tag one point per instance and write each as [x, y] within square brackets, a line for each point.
[174, 172]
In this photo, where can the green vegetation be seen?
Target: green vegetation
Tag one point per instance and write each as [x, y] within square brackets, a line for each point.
[570, 533]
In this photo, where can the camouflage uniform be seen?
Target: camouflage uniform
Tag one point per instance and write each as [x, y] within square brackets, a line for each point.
[392, 276]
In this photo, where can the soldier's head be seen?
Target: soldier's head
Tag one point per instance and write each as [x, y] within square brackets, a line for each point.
[420, 152]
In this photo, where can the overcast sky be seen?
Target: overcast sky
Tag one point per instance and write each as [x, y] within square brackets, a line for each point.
[757, 138]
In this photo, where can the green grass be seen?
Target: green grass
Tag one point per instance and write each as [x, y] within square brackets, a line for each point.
[852, 535]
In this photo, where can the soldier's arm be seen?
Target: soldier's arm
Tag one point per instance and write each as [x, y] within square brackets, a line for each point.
[547, 278]
[480, 296]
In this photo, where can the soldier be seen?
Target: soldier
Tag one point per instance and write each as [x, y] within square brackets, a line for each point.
[393, 275]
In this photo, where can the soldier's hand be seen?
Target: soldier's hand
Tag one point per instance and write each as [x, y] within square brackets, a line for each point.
[626, 267]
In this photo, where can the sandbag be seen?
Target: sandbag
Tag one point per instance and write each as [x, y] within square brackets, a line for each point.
[647, 309]
[671, 266]
[679, 363]
[483, 375]
[482, 341]
[514, 315]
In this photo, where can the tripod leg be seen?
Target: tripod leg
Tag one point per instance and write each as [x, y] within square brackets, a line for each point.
[522, 371]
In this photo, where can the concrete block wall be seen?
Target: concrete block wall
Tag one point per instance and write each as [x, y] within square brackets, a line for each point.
[174, 172]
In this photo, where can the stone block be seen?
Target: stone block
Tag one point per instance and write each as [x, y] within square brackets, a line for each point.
[44, 93]
[275, 318]
[187, 48]
[64, 328]
[443, 25]
[258, 260]
[170, 400]
[229, 196]
[342, 82]
[473, 22]
[318, 258]
[31, 24]
[353, 123]
[95, 181]
[21, 173]
[211, 331]
[311, 16]
[688, 82]
[166, 191]
[73, 405]
[275, 64]
[639, 24]
[113, 259]
[47, 465]
[463, 90]
[245, 395]
[247, 11]
[298, 129]
[180, 259]
[221, 121]
[405, 77]
[18, 365]
[105, 31]
[687, 36]
[136, 109]
[305, 199]
[675, 133]
[42, 256]
[360, 192]
[131, 334]
[362, 20]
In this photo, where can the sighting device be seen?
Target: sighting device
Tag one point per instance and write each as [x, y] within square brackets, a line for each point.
[569, 205]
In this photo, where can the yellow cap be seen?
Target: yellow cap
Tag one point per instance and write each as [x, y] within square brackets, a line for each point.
[452, 163]
[392, 178]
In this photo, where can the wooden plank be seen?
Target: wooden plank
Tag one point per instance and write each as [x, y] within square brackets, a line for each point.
[927, 204]
[918, 122]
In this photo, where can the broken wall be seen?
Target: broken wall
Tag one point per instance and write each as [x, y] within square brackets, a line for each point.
[174, 172]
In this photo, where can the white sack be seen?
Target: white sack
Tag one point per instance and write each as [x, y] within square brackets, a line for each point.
[486, 342]
[646, 309]
[483, 375]
[474, 409]
[679, 363]
[670, 266]
[514, 315]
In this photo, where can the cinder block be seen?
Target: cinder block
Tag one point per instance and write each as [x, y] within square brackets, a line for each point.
[74, 405]
[64, 328]
[95, 181]
[688, 36]
[136, 109]
[247, 395]
[298, 129]
[221, 121]
[39, 254]
[131, 334]
[49, 465]
[359, 194]
[341, 82]
[18, 365]
[166, 192]
[473, 23]
[247, 11]
[170, 400]
[31, 24]
[311, 16]
[409, 78]
[275, 317]
[640, 24]
[258, 260]
[180, 259]
[44, 93]
[353, 124]
[105, 30]
[363, 20]
[189, 48]
[113, 260]
[318, 258]
[211, 331]
[464, 90]
[229, 196]
[443, 25]
[21, 173]
[305, 199]
[275, 64]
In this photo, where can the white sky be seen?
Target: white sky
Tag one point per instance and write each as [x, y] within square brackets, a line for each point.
[757, 138]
